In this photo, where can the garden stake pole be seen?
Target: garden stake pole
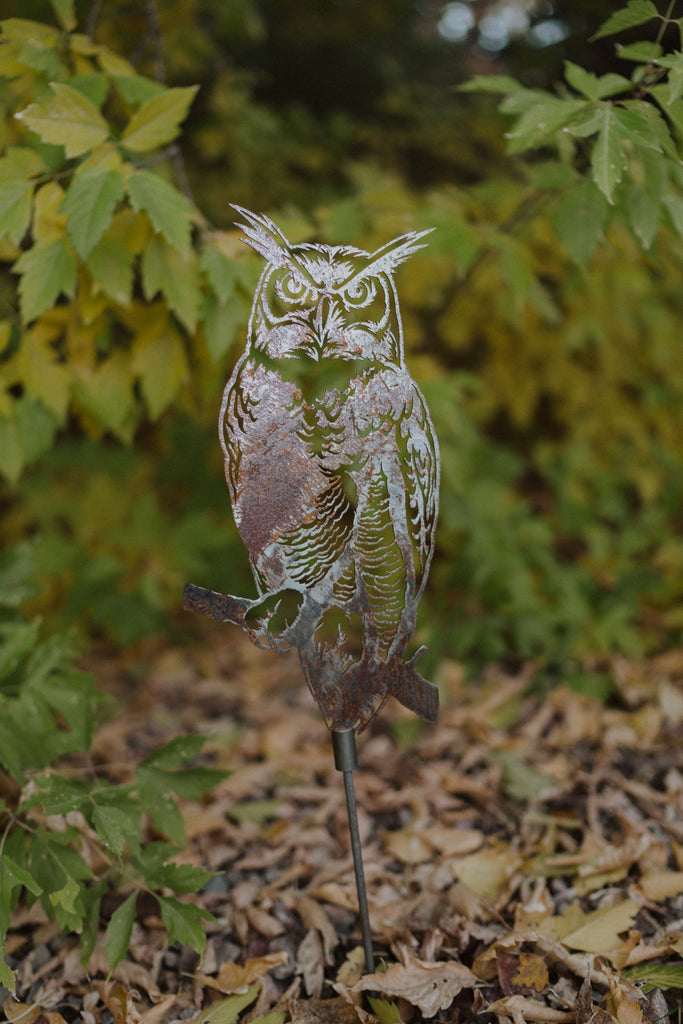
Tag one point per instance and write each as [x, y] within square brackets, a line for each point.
[345, 760]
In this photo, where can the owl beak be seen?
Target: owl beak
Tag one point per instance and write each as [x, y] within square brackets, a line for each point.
[324, 322]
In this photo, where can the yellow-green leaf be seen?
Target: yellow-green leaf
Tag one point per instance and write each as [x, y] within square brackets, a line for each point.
[158, 119]
[47, 270]
[90, 203]
[160, 363]
[66, 118]
[37, 366]
[166, 270]
[600, 930]
[15, 208]
[168, 209]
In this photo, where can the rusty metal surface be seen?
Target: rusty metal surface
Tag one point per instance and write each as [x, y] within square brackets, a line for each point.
[332, 466]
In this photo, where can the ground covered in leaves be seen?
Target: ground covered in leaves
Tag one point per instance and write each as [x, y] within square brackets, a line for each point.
[524, 858]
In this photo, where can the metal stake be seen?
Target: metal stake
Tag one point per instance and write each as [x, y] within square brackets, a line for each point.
[345, 760]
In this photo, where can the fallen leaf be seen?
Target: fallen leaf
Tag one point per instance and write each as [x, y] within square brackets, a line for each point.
[521, 1008]
[600, 930]
[236, 977]
[487, 871]
[429, 986]
[226, 1011]
[521, 973]
[313, 916]
[408, 846]
[661, 885]
[23, 1012]
[310, 962]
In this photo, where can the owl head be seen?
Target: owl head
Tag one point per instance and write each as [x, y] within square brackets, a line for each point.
[316, 302]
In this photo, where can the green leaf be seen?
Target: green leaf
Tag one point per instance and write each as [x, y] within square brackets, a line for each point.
[90, 203]
[674, 205]
[656, 975]
[636, 12]
[64, 899]
[16, 204]
[539, 123]
[7, 976]
[643, 215]
[608, 159]
[19, 876]
[220, 271]
[115, 827]
[165, 269]
[48, 270]
[183, 922]
[64, 9]
[111, 266]
[160, 363]
[227, 1011]
[94, 87]
[18, 638]
[136, 89]
[164, 811]
[640, 53]
[580, 219]
[11, 453]
[66, 118]
[491, 83]
[168, 210]
[158, 120]
[522, 781]
[119, 931]
[591, 86]
[176, 752]
[107, 392]
[182, 878]
[36, 427]
[384, 1011]
[222, 323]
[274, 1017]
[192, 783]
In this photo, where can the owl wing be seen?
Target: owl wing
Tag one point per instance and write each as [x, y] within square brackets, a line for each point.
[397, 506]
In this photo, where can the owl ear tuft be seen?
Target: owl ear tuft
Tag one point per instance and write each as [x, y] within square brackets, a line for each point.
[385, 259]
[388, 257]
[263, 235]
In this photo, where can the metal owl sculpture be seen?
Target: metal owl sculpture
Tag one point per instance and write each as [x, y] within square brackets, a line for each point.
[332, 466]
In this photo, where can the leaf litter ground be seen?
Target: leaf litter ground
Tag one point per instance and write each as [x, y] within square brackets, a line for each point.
[524, 858]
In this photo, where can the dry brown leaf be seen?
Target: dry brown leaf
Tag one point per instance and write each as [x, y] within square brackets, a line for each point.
[453, 842]
[236, 977]
[310, 962]
[521, 1008]
[314, 916]
[325, 1011]
[487, 871]
[429, 986]
[601, 929]
[157, 1013]
[521, 973]
[625, 999]
[120, 1002]
[24, 1012]
[408, 846]
[661, 885]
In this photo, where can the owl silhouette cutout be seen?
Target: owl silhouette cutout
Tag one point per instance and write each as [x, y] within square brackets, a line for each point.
[332, 466]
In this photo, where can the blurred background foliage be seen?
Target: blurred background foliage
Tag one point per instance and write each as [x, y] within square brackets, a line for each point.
[549, 347]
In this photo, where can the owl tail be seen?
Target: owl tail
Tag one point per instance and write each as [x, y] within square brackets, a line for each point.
[412, 690]
[351, 699]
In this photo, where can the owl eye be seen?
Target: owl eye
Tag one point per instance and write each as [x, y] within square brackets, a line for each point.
[360, 293]
[292, 289]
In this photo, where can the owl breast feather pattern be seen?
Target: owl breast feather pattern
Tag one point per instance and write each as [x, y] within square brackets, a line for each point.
[333, 471]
